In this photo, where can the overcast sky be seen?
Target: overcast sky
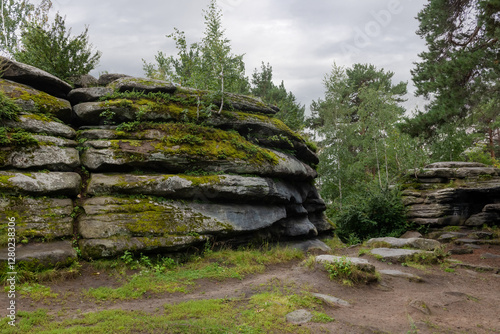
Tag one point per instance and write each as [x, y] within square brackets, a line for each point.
[301, 39]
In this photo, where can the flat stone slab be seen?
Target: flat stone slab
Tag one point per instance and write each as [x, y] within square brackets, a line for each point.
[299, 316]
[331, 300]
[398, 273]
[46, 184]
[394, 254]
[418, 243]
[361, 264]
[450, 236]
[313, 245]
[58, 253]
[490, 256]
[468, 241]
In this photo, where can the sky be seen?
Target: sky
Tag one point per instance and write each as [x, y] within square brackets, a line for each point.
[300, 39]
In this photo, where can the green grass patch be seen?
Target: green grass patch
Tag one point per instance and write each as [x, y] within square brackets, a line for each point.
[153, 277]
[264, 312]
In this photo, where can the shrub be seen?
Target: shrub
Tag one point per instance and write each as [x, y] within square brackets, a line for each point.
[378, 212]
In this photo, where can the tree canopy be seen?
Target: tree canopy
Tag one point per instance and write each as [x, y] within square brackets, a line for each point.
[459, 72]
[53, 49]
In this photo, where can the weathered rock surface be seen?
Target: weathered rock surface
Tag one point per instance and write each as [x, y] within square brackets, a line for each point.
[99, 248]
[399, 273]
[84, 81]
[44, 255]
[41, 184]
[114, 155]
[144, 85]
[240, 186]
[34, 101]
[35, 124]
[453, 193]
[396, 254]
[213, 187]
[90, 94]
[331, 300]
[299, 316]
[39, 217]
[107, 78]
[34, 77]
[53, 158]
[418, 243]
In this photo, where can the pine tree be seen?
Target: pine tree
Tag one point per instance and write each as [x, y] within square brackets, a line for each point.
[459, 73]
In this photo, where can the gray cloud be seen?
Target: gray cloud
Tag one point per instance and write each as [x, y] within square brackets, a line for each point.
[300, 39]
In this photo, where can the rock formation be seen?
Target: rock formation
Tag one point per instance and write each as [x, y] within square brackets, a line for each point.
[454, 193]
[147, 166]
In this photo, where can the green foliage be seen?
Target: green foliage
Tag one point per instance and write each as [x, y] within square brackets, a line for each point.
[460, 71]
[16, 14]
[291, 112]
[360, 141]
[53, 49]
[8, 109]
[377, 212]
[344, 271]
[208, 65]
[16, 137]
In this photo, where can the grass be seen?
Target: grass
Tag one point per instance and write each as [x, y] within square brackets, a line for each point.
[263, 312]
[345, 272]
[220, 265]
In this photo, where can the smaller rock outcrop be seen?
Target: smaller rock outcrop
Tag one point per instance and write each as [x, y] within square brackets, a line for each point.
[453, 193]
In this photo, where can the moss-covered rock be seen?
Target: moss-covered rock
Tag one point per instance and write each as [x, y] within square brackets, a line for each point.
[47, 218]
[35, 101]
[40, 124]
[34, 77]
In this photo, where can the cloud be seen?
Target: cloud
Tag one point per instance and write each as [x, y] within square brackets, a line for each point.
[300, 39]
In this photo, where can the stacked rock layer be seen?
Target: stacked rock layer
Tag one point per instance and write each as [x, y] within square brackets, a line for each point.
[454, 193]
[144, 165]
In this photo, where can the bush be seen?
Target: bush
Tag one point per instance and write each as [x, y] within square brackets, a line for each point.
[378, 212]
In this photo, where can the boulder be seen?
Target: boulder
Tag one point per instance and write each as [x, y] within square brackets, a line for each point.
[36, 124]
[43, 255]
[144, 85]
[38, 217]
[34, 77]
[40, 184]
[90, 94]
[53, 158]
[107, 78]
[35, 101]
[299, 316]
[297, 227]
[84, 81]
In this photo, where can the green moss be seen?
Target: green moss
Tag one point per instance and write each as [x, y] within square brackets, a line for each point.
[4, 180]
[44, 102]
[12, 137]
[201, 180]
[8, 109]
[199, 142]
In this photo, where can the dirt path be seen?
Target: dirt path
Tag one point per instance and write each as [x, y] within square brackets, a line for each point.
[464, 301]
